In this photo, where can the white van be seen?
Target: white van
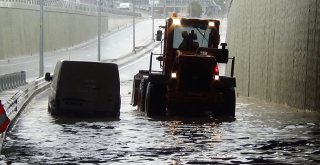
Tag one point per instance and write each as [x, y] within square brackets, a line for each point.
[84, 87]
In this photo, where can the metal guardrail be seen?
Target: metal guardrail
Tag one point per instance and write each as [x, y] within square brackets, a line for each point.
[17, 102]
[22, 97]
[12, 80]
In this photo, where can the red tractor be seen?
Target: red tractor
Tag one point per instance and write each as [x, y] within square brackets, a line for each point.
[189, 79]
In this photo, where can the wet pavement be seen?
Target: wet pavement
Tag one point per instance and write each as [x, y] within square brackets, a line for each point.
[261, 134]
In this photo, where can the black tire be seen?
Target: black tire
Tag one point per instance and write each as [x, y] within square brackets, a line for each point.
[135, 92]
[118, 102]
[155, 100]
[230, 103]
[117, 107]
[49, 109]
[142, 95]
[53, 111]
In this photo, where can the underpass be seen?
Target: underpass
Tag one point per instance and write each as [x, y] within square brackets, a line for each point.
[262, 133]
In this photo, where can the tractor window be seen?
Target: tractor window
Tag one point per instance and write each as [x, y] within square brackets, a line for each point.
[196, 37]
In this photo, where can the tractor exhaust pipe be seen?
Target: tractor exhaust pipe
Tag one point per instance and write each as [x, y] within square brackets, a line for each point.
[232, 66]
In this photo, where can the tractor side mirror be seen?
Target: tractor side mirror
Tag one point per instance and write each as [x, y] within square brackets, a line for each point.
[159, 35]
[223, 54]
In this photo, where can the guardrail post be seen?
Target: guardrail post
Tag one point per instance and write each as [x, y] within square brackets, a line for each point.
[15, 80]
[1, 85]
[12, 80]
[6, 84]
[24, 78]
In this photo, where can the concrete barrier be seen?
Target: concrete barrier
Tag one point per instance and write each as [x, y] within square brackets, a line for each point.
[63, 28]
[277, 46]
[12, 80]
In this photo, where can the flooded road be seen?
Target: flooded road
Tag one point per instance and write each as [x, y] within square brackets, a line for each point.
[262, 133]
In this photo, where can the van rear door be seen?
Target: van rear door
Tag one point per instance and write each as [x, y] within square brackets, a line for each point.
[90, 87]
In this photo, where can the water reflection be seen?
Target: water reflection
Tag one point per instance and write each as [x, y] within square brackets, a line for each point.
[74, 119]
[261, 134]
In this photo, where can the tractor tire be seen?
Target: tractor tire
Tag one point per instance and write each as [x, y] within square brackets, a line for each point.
[134, 94]
[229, 104]
[135, 88]
[155, 100]
[142, 95]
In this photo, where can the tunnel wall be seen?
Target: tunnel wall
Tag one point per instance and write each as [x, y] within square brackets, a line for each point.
[276, 45]
[20, 29]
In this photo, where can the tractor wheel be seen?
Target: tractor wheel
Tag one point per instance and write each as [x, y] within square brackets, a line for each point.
[155, 99]
[134, 93]
[142, 95]
[135, 88]
[229, 105]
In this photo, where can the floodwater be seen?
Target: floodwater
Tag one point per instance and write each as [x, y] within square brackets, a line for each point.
[261, 134]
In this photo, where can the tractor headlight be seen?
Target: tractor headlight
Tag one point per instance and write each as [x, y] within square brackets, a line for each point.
[176, 21]
[211, 24]
[216, 77]
[173, 75]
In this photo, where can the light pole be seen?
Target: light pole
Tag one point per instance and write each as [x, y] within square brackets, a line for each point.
[152, 20]
[165, 9]
[41, 65]
[190, 8]
[99, 30]
[134, 28]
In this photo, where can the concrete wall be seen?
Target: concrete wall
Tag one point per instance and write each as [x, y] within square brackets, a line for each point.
[276, 44]
[20, 29]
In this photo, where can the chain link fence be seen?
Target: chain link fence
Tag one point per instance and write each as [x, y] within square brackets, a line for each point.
[64, 4]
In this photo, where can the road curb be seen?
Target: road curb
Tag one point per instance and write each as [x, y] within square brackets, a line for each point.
[143, 50]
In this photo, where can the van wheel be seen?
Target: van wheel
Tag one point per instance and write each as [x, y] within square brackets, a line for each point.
[117, 107]
[115, 115]
[52, 111]
[49, 109]
[142, 95]
[155, 99]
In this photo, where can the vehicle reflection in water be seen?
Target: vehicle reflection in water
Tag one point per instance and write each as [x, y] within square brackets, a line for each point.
[261, 134]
